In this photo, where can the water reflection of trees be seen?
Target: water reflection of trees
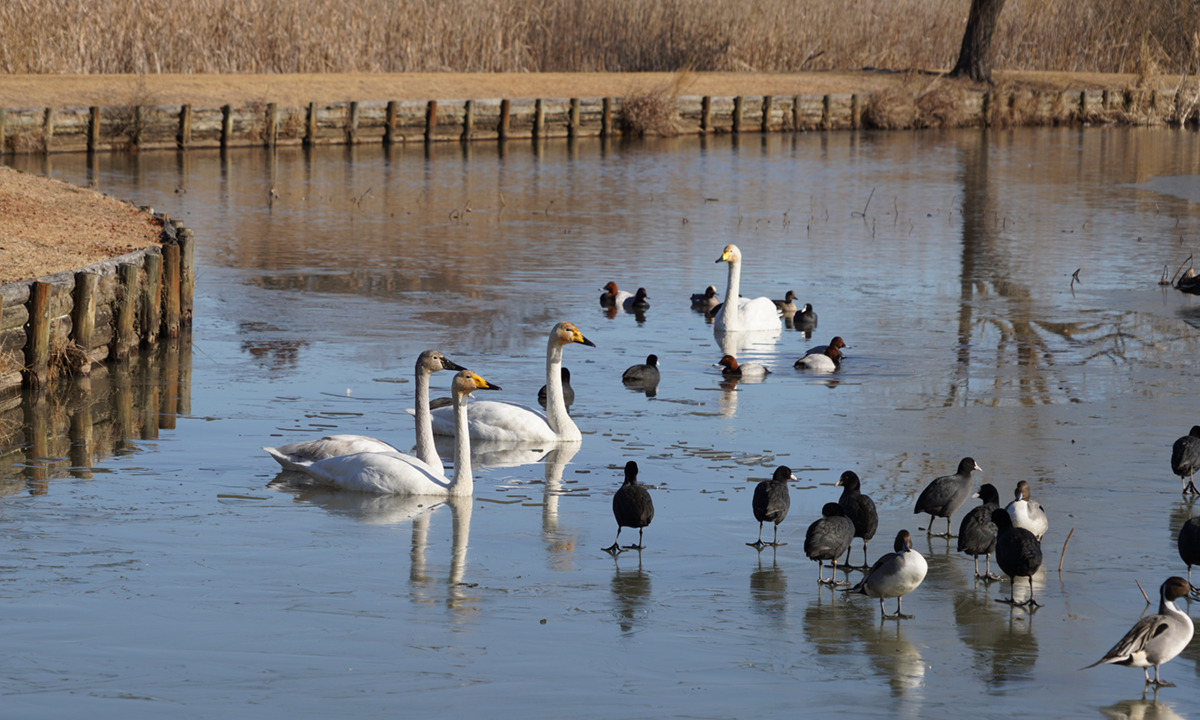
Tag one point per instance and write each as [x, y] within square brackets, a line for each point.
[65, 430]
[1031, 348]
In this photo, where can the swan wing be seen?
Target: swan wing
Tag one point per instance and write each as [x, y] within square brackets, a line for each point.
[327, 447]
[375, 472]
[753, 314]
[492, 420]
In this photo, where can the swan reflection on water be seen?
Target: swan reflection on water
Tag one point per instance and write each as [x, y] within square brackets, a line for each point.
[385, 509]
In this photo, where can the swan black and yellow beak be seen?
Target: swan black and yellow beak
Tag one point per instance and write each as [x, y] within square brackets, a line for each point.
[579, 338]
[481, 384]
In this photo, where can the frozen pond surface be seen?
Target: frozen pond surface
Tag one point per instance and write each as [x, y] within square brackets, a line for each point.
[174, 581]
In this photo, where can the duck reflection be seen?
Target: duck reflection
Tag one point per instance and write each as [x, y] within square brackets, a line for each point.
[1141, 709]
[897, 659]
[768, 591]
[827, 618]
[999, 638]
[631, 592]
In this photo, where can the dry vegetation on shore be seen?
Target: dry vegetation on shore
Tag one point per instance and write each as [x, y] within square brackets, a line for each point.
[321, 36]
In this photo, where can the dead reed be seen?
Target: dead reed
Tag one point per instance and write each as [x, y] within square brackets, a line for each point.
[1143, 37]
[655, 111]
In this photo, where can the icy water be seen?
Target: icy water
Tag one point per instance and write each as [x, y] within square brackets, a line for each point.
[167, 578]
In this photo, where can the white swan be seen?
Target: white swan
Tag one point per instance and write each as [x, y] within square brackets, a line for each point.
[509, 422]
[392, 472]
[329, 446]
[739, 313]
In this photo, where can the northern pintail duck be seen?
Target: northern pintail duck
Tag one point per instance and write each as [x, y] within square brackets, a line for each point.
[1155, 640]
[894, 575]
[1028, 513]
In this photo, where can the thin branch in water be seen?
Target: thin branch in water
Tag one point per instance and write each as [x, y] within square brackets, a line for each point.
[1143, 591]
[864, 210]
[1064, 550]
[1185, 262]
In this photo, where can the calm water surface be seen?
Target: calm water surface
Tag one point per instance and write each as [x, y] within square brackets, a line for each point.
[168, 578]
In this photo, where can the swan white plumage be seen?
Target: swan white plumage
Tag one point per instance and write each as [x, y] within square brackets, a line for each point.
[329, 446]
[399, 474]
[739, 313]
[510, 422]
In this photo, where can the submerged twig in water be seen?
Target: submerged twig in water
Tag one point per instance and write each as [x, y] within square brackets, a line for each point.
[1143, 591]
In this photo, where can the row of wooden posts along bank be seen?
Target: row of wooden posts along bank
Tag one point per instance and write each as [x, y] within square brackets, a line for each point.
[60, 325]
[77, 129]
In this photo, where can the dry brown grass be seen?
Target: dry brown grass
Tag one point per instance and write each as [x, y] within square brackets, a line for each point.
[655, 111]
[319, 36]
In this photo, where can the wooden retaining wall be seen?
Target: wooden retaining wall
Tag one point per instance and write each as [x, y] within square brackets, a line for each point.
[80, 129]
[60, 325]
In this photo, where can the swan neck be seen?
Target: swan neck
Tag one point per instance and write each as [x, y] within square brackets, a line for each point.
[463, 483]
[732, 294]
[426, 452]
[556, 406]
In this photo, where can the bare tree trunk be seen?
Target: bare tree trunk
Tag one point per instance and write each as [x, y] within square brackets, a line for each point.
[974, 58]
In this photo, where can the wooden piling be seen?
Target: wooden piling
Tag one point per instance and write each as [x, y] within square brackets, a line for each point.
[1083, 105]
[271, 125]
[83, 316]
[468, 120]
[539, 119]
[389, 128]
[766, 113]
[184, 137]
[796, 114]
[171, 284]
[310, 126]
[827, 112]
[855, 111]
[573, 119]
[37, 350]
[124, 339]
[706, 114]
[606, 126]
[139, 125]
[187, 274]
[93, 130]
[151, 299]
[352, 123]
[505, 118]
[737, 114]
[226, 125]
[47, 128]
[431, 110]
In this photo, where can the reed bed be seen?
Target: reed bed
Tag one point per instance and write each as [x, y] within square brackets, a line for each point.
[317, 36]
